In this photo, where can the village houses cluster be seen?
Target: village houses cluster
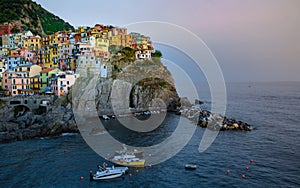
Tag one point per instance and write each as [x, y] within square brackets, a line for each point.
[34, 65]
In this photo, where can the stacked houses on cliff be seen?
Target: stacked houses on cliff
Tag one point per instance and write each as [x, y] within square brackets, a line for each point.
[31, 64]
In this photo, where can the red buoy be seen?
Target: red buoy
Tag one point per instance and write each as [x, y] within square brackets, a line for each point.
[227, 171]
[81, 177]
[130, 174]
[247, 167]
[137, 171]
[251, 161]
[243, 176]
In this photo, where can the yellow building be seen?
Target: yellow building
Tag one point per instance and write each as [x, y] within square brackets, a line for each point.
[115, 40]
[18, 40]
[32, 43]
[53, 39]
[94, 31]
[35, 84]
[121, 40]
[4, 51]
[128, 41]
[81, 29]
[102, 44]
[50, 57]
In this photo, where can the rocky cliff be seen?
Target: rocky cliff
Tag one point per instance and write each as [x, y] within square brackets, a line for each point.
[27, 124]
[140, 85]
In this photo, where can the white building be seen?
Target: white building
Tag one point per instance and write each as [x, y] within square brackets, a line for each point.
[103, 71]
[143, 54]
[91, 40]
[88, 65]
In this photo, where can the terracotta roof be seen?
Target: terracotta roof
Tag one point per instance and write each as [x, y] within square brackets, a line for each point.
[16, 55]
[47, 70]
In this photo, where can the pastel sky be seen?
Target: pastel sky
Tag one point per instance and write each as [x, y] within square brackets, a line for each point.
[253, 40]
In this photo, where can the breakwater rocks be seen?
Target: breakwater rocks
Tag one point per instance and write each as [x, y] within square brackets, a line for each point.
[206, 119]
[19, 123]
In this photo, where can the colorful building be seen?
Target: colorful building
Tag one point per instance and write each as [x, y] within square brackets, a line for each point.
[61, 84]
[33, 43]
[143, 54]
[50, 57]
[20, 84]
[45, 76]
[35, 84]
[6, 82]
[14, 61]
[24, 53]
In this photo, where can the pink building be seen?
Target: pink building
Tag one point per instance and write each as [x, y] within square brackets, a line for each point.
[20, 84]
[65, 51]
[6, 82]
[17, 83]
[24, 53]
[61, 84]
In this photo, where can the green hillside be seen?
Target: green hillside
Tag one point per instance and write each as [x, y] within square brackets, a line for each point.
[31, 16]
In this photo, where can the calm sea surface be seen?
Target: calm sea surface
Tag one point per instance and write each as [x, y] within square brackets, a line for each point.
[274, 146]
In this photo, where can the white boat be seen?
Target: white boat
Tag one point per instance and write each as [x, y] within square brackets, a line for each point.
[105, 173]
[190, 166]
[129, 160]
[137, 153]
[105, 117]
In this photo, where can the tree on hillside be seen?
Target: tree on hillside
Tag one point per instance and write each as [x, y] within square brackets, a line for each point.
[128, 52]
[113, 49]
[15, 30]
[157, 53]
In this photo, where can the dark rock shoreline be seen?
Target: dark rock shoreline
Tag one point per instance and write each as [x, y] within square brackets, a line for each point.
[27, 124]
[59, 119]
[206, 119]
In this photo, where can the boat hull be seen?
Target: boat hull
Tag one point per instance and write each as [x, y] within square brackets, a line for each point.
[190, 167]
[140, 163]
[107, 177]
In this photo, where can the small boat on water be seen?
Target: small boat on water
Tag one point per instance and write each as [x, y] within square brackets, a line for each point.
[190, 167]
[129, 160]
[105, 172]
[137, 153]
[105, 117]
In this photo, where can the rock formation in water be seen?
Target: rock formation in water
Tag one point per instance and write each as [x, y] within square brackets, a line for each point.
[21, 123]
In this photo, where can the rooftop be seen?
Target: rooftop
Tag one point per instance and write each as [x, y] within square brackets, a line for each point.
[47, 70]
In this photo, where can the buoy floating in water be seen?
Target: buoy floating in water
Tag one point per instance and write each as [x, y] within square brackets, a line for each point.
[227, 171]
[130, 174]
[243, 176]
[247, 167]
[81, 177]
[137, 171]
[251, 161]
